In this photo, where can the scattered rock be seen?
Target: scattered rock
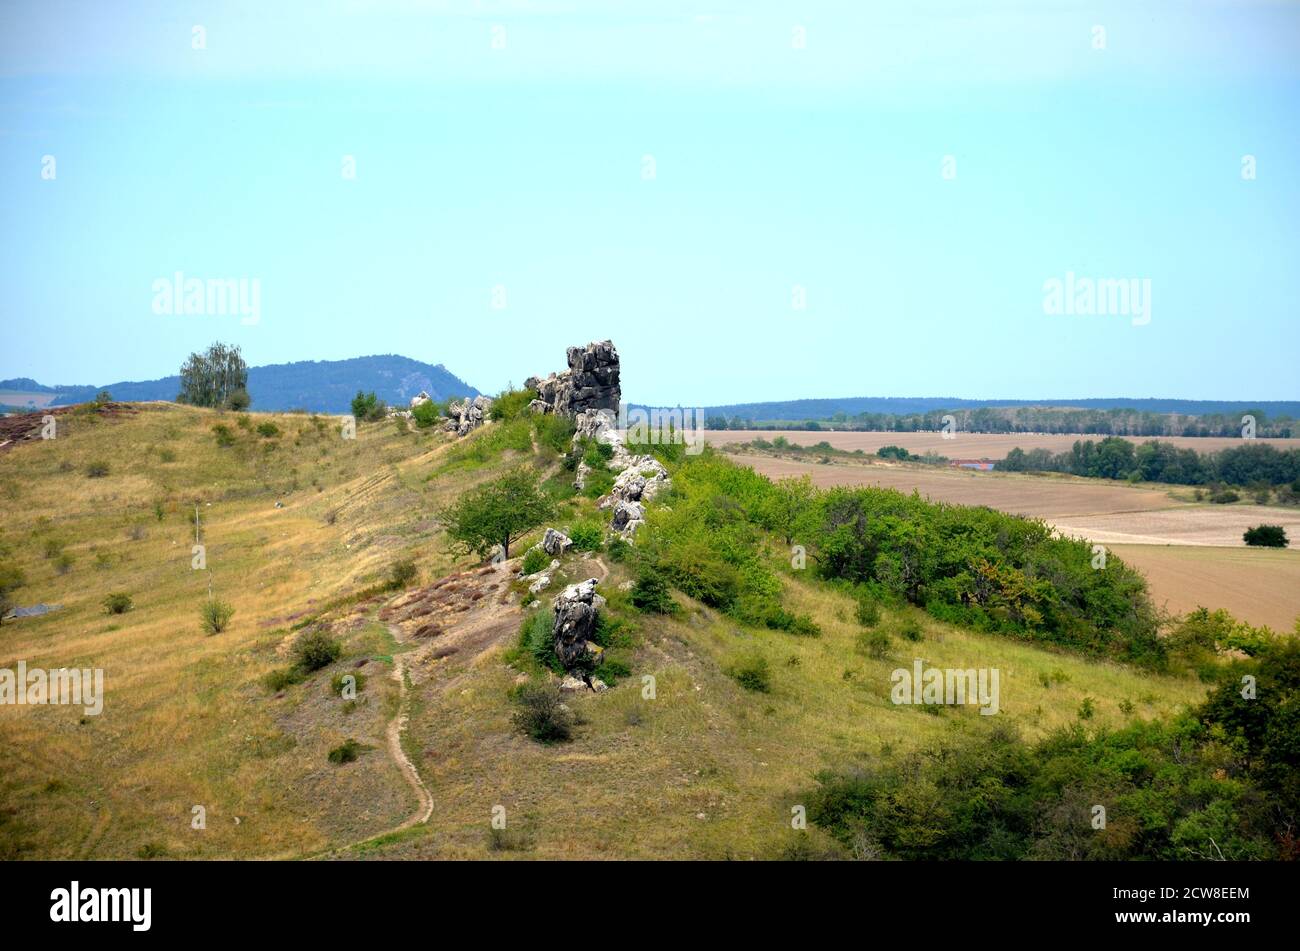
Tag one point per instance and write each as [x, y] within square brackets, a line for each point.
[628, 517]
[576, 609]
[572, 684]
[464, 416]
[555, 543]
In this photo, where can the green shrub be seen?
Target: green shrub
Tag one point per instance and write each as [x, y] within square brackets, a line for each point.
[868, 611]
[117, 602]
[1224, 497]
[268, 429]
[276, 680]
[554, 432]
[345, 753]
[874, 643]
[224, 434]
[598, 483]
[536, 639]
[910, 630]
[779, 619]
[1087, 708]
[427, 414]
[611, 671]
[618, 549]
[650, 593]
[542, 714]
[97, 469]
[597, 454]
[1267, 536]
[215, 615]
[316, 649]
[511, 405]
[586, 535]
[752, 673]
[401, 573]
[535, 559]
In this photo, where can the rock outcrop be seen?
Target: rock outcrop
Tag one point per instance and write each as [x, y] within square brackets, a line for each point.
[419, 398]
[641, 478]
[628, 517]
[555, 542]
[464, 416]
[576, 609]
[589, 392]
[590, 382]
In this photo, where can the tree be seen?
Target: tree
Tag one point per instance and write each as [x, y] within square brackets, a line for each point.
[497, 513]
[791, 506]
[368, 406]
[1266, 536]
[217, 378]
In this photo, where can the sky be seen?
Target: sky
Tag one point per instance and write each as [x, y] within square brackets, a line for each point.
[754, 200]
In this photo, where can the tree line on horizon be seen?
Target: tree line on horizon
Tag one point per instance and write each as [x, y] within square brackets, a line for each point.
[1033, 419]
[1247, 465]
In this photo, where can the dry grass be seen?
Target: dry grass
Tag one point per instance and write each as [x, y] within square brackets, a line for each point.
[186, 720]
[705, 769]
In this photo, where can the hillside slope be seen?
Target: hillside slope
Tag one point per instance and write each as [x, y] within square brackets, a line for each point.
[301, 528]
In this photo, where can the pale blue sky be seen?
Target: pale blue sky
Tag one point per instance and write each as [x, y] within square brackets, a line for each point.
[775, 166]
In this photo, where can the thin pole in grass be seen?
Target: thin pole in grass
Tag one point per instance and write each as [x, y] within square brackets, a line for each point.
[197, 542]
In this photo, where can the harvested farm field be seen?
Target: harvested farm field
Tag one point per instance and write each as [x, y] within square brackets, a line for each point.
[1258, 585]
[965, 445]
[1047, 497]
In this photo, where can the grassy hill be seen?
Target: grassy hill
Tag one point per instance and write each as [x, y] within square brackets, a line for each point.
[705, 769]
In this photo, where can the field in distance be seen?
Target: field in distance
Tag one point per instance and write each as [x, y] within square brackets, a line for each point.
[964, 445]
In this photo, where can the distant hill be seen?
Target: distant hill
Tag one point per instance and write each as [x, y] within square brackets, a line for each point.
[852, 405]
[322, 386]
